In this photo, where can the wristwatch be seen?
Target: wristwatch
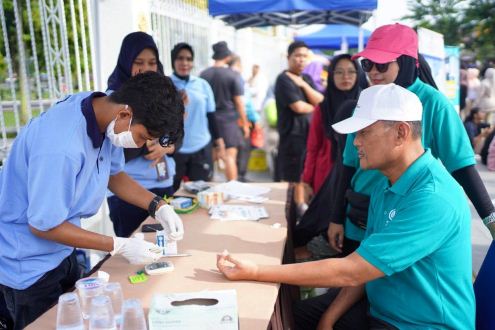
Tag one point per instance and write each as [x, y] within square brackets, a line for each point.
[489, 219]
[153, 204]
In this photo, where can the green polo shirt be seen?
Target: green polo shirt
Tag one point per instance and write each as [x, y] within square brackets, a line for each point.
[419, 236]
[443, 133]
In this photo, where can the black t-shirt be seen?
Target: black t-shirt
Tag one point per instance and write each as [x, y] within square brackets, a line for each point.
[225, 84]
[290, 123]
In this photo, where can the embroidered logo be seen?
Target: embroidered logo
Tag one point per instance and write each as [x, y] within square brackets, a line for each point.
[391, 214]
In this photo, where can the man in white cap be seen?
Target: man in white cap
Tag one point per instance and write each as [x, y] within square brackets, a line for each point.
[415, 260]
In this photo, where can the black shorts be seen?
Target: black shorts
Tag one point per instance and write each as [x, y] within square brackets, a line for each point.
[230, 132]
[291, 155]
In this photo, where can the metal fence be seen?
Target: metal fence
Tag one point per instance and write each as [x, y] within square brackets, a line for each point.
[45, 53]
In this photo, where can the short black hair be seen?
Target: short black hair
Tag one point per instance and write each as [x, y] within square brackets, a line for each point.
[155, 104]
[416, 127]
[295, 45]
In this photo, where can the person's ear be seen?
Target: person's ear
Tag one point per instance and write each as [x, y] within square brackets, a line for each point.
[403, 131]
[125, 112]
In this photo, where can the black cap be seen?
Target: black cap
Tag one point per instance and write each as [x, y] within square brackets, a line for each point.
[220, 50]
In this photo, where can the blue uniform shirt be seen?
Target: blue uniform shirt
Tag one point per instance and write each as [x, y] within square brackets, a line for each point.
[443, 133]
[201, 102]
[419, 236]
[57, 170]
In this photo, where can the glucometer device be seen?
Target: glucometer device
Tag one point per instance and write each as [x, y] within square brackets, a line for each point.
[159, 267]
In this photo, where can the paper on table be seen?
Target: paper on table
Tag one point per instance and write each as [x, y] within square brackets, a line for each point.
[245, 191]
[229, 212]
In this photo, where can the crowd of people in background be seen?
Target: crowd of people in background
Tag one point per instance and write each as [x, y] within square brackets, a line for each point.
[343, 178]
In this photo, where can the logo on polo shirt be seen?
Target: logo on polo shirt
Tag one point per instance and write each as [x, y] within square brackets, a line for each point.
[391, 214]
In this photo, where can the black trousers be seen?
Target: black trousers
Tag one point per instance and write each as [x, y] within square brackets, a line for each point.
[126, 218]
[307, 314]
[196, 166]
[27, 305]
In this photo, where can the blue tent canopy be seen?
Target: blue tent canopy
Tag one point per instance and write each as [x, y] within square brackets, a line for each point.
[257, 13]
[331, 37]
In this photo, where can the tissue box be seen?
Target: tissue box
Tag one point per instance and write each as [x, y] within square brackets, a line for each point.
[206, 310]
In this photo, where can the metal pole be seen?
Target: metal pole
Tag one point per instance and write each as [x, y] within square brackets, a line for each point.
[35, 55]
[10, 70]
[24, 83]
[46, 50]
[76, 45]
[65, 46]
[84, 46]
[52, 18]
[92, 43]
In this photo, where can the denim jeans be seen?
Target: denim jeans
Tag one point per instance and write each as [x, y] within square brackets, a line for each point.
[27, 305]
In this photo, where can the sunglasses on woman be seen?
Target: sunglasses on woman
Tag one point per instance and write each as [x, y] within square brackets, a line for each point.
[367, 65]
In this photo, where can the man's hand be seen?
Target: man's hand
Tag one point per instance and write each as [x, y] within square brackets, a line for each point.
[184, 96]
[241, 270]
[296, 79]
[136, 250]
[171, 222]
[157, 152]
[336, 236]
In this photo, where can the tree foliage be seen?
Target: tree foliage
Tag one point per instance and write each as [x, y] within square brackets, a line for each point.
[468, 23]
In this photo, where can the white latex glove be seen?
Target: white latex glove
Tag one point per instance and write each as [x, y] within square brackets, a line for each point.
[136, 250]
[171, 222]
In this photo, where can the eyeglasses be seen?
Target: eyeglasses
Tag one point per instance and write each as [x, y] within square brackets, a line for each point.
[367, 65]
[343, 72]
[170, 139]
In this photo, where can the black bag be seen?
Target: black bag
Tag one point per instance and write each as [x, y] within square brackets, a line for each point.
[359, 204]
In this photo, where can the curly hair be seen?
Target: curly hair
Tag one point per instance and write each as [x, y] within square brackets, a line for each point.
[155, 104]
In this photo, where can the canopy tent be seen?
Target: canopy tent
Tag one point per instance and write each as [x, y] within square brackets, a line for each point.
[257, 13]
[332, 36]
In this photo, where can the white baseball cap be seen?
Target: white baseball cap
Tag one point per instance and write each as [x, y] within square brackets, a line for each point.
[382, 102]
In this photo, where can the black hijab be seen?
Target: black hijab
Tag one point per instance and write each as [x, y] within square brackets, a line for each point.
[175, 52]
[132, 45]
[334, 97]
[425, 72]
[408, 71]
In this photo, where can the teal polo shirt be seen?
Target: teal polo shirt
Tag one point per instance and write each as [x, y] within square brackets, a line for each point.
[443, 133]
[419, 236]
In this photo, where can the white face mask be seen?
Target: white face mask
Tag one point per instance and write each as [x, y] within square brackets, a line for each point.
[124, 139]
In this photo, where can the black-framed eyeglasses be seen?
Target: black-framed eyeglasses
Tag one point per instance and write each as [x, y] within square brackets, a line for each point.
[367, 65]
[171, 138]
[166, 140]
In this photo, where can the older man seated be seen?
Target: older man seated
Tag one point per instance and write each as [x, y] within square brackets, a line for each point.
[414, 265]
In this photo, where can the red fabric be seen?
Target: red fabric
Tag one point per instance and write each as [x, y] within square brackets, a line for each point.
[318, 161]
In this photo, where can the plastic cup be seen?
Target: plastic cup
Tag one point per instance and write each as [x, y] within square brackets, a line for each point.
[101, 315]
[88, 288]
[69, 315]
[132, 315]
[114, 291]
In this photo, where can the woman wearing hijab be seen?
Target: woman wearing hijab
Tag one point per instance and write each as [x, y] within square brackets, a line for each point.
[342, 85]
[324, 156]
[194, 158]
[150, 165]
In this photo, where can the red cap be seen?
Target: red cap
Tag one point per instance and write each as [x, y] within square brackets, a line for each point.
[389, 42]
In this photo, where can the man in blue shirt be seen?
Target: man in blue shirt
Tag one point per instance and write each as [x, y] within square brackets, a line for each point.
[57, 173]
[414, 263]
